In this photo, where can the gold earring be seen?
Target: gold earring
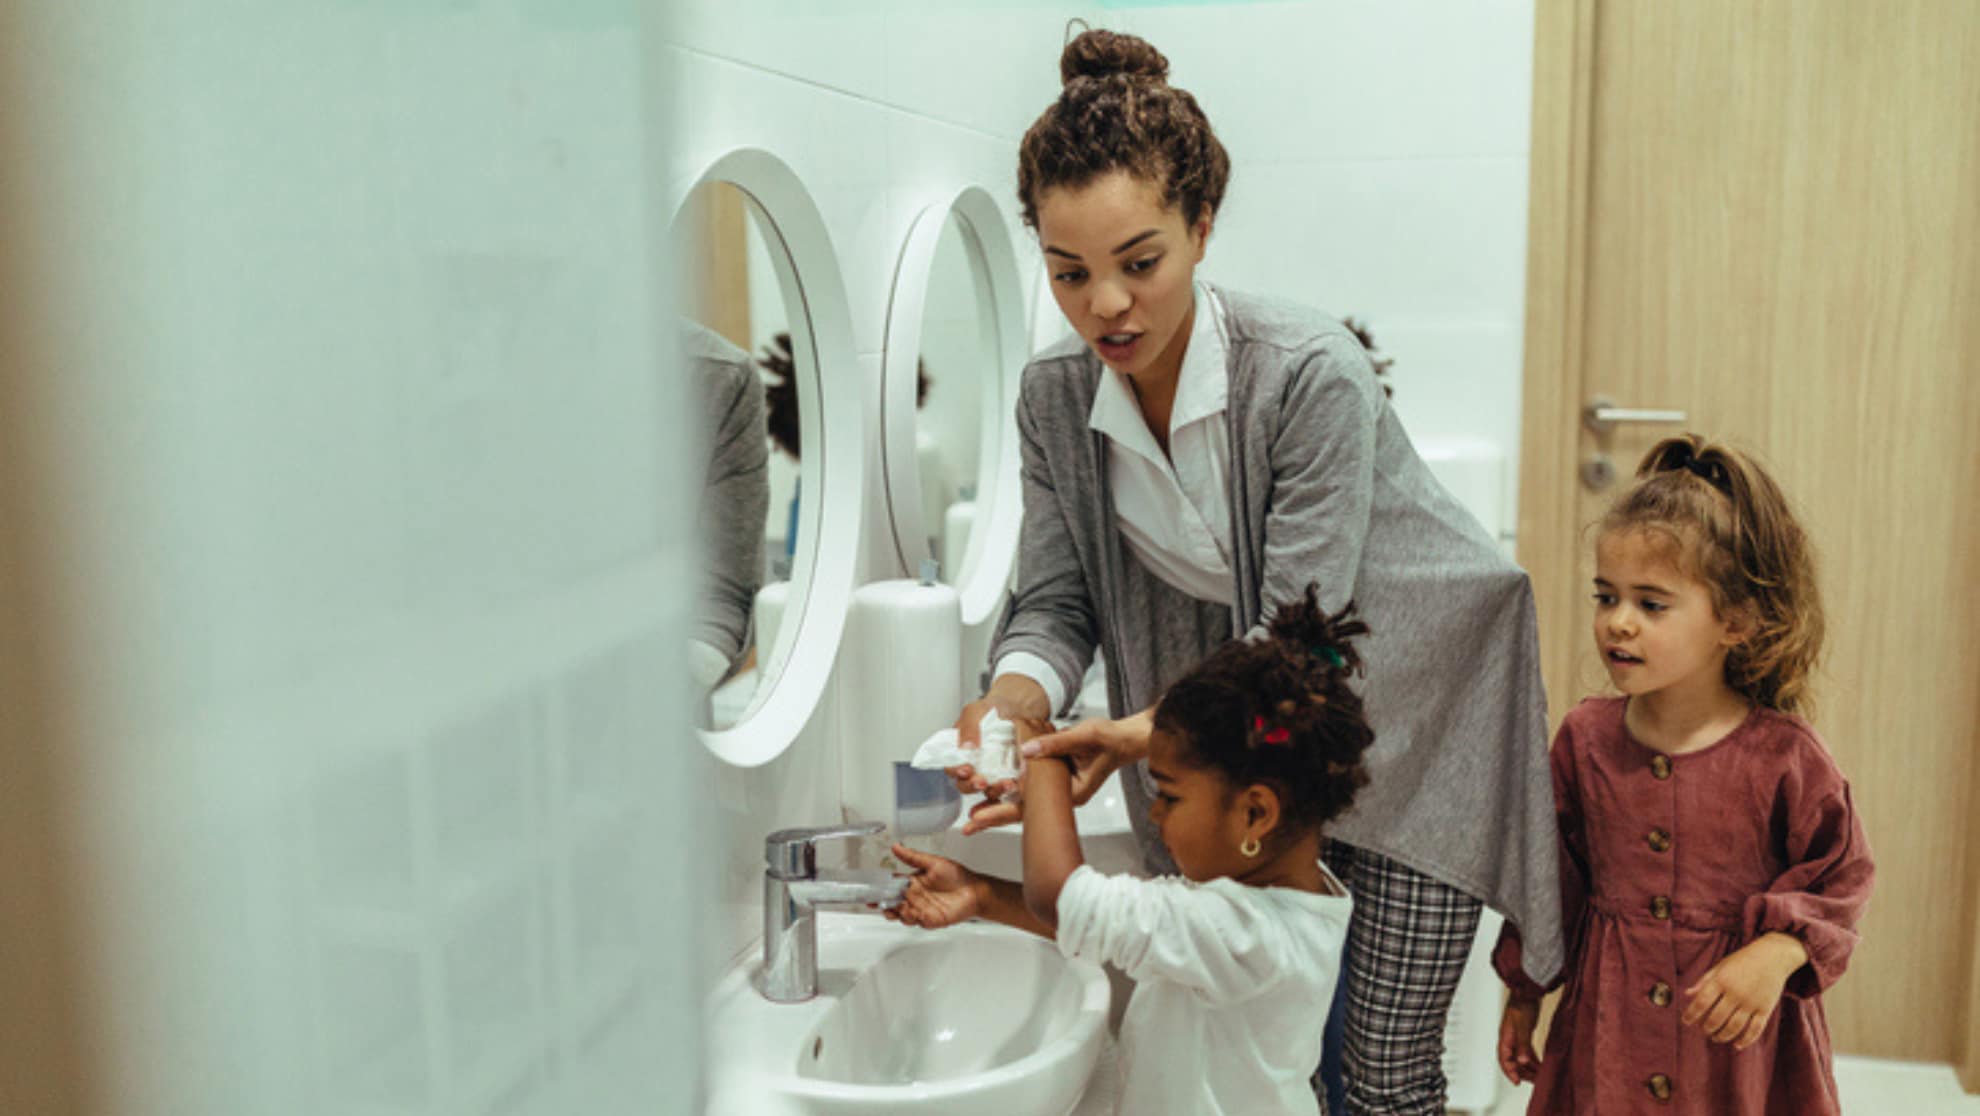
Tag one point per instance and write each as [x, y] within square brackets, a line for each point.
[1250, 846]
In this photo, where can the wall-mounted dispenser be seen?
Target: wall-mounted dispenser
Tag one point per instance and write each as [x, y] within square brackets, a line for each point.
[899, 681]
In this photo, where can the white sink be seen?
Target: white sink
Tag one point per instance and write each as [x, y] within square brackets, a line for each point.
[976, 1019]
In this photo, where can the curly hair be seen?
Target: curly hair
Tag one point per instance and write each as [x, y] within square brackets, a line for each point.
[1732, 529]
[1280, 712]
[1117, 111]
[780, 393]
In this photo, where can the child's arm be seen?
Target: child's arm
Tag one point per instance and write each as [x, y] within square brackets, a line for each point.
[1051, 843]
[1802, 929]
[1735, 998]
[1517, 1059]
[945, 893]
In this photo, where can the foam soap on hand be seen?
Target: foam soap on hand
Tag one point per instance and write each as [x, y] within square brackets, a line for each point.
[996, 760]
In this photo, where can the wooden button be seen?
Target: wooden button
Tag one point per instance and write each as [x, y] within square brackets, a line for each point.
[1660, 1086]
[1658, 840]
[1660, 994]
[1660, 907]
[1660, 766]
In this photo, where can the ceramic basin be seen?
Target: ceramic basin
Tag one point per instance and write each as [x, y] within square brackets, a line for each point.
[972, 1020]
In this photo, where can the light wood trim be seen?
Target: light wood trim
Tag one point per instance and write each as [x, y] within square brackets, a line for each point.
[1968, 1058]
[1556, 278]
[43, 1032]
[718, 275]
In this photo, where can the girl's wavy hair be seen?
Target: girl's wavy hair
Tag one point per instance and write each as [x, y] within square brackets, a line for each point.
[1734, 531]
[1280, 712]
[1117, 111]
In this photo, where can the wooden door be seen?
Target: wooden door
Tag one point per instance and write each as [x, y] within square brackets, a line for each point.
[1767, 215]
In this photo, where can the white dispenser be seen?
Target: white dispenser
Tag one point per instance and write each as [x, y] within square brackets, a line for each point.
[899, 673]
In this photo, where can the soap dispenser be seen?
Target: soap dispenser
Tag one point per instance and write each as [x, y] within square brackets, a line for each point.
[899, 673]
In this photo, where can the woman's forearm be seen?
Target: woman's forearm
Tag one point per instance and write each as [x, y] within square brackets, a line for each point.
[1019, 695]
[1051, 841]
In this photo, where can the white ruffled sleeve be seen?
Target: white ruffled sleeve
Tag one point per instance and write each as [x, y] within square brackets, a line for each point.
[1168, 929]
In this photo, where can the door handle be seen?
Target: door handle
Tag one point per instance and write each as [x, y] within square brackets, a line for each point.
[1602, 415]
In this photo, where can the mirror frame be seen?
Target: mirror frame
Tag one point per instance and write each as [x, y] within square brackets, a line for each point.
[993, 541]
[831, 430]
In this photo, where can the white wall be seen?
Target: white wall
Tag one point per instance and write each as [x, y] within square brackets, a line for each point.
[1379, 164]
[347, 393]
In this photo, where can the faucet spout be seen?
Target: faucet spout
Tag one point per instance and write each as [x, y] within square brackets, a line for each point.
[794, 888]
[849, 889]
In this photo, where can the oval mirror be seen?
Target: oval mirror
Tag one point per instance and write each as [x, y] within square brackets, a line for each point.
[954, 352]
[762, 326]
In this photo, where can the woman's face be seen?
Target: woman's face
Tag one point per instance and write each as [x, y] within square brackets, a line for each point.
[1122, 267]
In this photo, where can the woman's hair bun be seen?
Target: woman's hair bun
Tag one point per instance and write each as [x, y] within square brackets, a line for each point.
[1097, 53]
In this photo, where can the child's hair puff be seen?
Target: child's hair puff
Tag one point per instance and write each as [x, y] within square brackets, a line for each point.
[1280, 712]
[1732, 529]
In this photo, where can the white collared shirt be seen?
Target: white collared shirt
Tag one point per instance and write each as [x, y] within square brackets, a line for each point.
[1173, 511]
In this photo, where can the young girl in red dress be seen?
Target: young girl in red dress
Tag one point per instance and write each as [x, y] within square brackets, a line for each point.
[1713, 867]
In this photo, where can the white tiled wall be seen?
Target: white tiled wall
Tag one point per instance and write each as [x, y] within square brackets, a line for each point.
[1380, 170]
[367, 608]
[1379, 152]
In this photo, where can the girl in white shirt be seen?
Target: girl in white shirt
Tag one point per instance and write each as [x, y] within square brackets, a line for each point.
[1252, 753]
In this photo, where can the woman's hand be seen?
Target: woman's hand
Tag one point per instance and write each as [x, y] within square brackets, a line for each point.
[1097, 748]
[1012, 697]
[1735, 998]
[942, 892]
[1517, 1059]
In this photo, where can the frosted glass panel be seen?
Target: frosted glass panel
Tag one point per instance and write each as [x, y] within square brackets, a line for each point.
[360, 426]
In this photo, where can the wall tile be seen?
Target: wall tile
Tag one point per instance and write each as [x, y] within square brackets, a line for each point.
[837, 46]
[1354, 78]
[1428, 237]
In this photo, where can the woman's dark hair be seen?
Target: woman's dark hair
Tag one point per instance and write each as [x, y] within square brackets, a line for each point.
[1730, 526]
[1117, 111]
[1280, 712]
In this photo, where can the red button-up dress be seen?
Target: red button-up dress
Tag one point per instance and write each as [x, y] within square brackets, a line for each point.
[1669, 863]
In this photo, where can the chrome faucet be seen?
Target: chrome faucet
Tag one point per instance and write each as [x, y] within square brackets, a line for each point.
[794, 889]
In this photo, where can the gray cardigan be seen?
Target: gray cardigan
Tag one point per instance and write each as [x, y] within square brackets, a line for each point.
[1324, 486]
[735, 490]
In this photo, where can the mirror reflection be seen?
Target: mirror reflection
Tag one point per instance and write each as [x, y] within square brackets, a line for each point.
[736, 347]
[957, 395]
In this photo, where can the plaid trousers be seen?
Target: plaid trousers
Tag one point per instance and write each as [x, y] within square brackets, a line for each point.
[1407, 944]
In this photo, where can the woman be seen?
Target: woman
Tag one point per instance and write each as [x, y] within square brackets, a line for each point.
[1191, 463]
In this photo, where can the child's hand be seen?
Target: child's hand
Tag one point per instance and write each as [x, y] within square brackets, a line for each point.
[1736, 997]
[1516, 1057]
[942, 892]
